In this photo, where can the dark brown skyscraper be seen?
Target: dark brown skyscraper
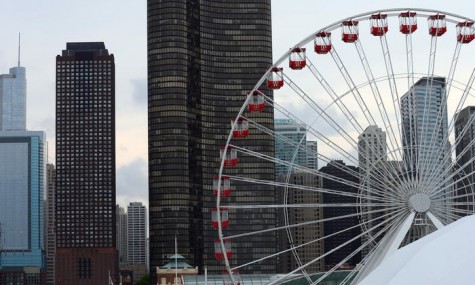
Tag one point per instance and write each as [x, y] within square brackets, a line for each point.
[85, 165]
[203, 56]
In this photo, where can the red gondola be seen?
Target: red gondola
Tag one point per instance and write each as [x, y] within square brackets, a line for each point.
[225, 187]
[322, 42]
[224, 218]
[407, 22]
[241, 129]
[465, 32]
[231, 156]
[256, 102]
[275, 79]
[297, 59]
[218, 252]
[379, 24]
[349, 31]
[437, 25]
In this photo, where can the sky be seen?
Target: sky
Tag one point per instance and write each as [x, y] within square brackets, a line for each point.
[46, 26]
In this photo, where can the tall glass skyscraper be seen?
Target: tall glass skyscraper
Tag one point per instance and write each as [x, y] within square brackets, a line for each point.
[289, 136]
[425, 142]
[203, 56]
[22, 186]
[85, 165]
[13, 100]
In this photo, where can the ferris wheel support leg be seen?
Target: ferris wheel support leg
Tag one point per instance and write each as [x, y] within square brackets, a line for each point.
[388, 245]
[437, 223]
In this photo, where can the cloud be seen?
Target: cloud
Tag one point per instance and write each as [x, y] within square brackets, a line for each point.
[132, 182]
[139, 94]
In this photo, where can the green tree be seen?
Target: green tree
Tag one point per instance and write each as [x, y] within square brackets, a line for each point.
[145, 280]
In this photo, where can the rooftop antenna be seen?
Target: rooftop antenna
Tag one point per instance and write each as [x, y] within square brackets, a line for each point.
[19, 42]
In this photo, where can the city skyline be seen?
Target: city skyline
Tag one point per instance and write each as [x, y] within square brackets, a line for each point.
[42, 37]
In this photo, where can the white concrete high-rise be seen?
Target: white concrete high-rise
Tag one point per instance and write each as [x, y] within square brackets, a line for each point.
[137, 233]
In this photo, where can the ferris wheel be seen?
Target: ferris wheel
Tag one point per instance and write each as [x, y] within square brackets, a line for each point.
[387, 97]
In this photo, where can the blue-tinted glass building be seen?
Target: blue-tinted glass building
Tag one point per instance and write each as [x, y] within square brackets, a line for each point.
[22, 184]
[13, 100]
[289, 135]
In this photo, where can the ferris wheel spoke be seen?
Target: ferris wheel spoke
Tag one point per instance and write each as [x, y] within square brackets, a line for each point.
[387, 171]
[312, 189]
[424, 154]
[351, 85]
[396, 103]
[386, 121]
[343, 108]
[335, 249]
[311, 205]
[230, 237]
[359, 249]
[323, 113]
[385, 216]
[450, 174]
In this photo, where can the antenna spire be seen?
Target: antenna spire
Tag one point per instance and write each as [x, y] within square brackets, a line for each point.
[19, 43]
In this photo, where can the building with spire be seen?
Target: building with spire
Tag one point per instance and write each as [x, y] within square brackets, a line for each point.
[22, 186]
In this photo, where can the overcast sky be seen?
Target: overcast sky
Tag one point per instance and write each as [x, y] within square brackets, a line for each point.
[47, 25]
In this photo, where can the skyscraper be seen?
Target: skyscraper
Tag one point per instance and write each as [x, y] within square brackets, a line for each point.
[425, 142]
[312, 157]
[373, 171]
[22, 169]
[301, 235]
[349, 173]
[22, 185]
[203, 57]
[136, 233]
[425, 127]
[121, 221]
[50, 241]
[13, 100]
[85, 165]
[465, 151]
[289, 136]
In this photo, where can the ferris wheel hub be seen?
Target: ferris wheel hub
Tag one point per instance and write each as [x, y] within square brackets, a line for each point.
[419, 202]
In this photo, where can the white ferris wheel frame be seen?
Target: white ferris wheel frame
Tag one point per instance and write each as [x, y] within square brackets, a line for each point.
[391, 241]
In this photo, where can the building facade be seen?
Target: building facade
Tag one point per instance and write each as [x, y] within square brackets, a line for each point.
[50, 237]
[13, 100]
[22, 168]
[203, 58]
[290, 144]
[424, 128]
[373, 173]
[301, 235]
[136, 233]
[22, 186]
[85, 165]
[349, 173]
[465, 164]
[121, 221]
[425, 143]
[312, 154]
